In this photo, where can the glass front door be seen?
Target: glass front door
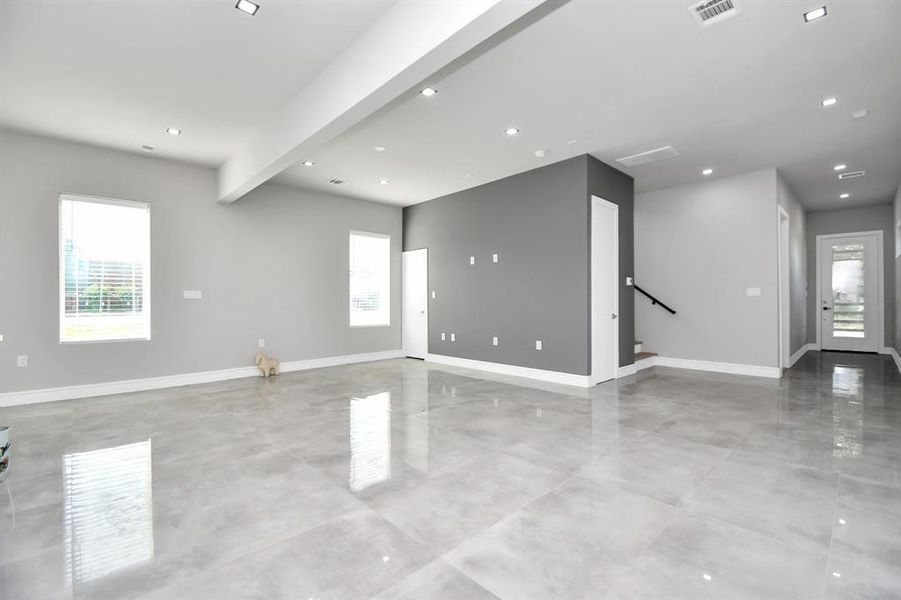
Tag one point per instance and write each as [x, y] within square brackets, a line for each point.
[849, 298]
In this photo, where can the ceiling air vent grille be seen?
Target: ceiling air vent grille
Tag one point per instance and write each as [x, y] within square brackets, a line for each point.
[711, 12]
[852, 174]
[336, 181]
[643, 158]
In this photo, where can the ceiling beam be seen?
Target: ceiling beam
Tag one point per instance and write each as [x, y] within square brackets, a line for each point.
[410, 42]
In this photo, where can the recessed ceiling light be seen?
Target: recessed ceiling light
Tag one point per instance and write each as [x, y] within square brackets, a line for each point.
[383, 181]
[173, 131]
[840, 167]
[540, 153]
[829, 102]
[428, 91]
[379, 148]
[511, 131]
[707, 172]
[308, 163]
[836, 574]
[247, 6]
[860, 114]
[572, 141]
[845, 195]
[707, 577]
[813, 15]
[147, 148]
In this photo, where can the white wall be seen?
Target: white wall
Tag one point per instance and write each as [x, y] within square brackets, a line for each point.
[897, 260]
[698, 248]
[797, 263]
[273, 266]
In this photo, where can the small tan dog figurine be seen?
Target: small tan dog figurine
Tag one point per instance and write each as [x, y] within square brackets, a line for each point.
[268, 366]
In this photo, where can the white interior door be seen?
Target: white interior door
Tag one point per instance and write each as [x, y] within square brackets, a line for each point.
[604, 289]
[850, 292]
[415, 326]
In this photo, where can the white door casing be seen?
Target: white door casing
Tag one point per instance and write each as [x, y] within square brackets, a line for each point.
[604, 290]
[868, 336]
[415, 323]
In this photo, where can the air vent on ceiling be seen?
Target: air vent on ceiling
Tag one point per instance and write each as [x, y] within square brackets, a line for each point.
[711, 12]
[336, 181]
[852, 174]
[643, 158]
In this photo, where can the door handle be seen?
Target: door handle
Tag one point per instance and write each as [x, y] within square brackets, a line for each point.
[422, 312]
[612, 315]
[826, 308]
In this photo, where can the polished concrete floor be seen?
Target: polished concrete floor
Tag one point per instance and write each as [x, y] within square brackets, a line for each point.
[400, 479]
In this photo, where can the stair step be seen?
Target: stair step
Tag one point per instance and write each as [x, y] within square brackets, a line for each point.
[643, 355]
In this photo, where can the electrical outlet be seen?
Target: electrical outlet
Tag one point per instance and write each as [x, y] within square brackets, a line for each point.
[538, 344]
[192, 294]
[472, 260]
[494, 258]
[453, 337]
[22, 360]
[753, 291]
[261, 343]
[434, 295]
[494, 341]
[443, 337]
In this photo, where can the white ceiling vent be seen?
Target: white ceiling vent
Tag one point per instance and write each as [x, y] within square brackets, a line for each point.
[852, 174]
[711, 12]
[336, 181]
[643, 158]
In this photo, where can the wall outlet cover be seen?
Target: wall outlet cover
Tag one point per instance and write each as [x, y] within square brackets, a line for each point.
[453, 337]
[193, 294]
[494, 341]
[22, 360]
[472, 260]
[434, 295]
[494, 258]
[261, 343]
[538, 344]
[753, 291]
[443, 336]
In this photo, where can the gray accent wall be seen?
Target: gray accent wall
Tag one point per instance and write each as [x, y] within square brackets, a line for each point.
[698, 248]
[797, 272]
[272, 266]
[538, 223]
[867, 218]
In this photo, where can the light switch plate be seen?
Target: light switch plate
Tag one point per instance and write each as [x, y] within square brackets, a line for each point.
[443, 337]
[753, 291]
[630, 281]
[434, 295]
[453, 337]
[494, 341]
[494, 257]
[261, 343]
[22, 360]
[472, 260]
[538, 344]
[193, 294]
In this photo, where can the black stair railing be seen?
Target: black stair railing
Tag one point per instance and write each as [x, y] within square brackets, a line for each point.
[654, 300]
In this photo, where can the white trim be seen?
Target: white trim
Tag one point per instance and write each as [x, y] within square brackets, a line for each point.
[894, 354]
[167, 381]
[598, 203]
[513, 370]
[627, 370]
[801, 352]
[719, 367]
[783, 269]
[880, 279]
[645, 363]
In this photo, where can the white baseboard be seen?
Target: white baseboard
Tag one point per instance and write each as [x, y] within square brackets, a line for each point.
[167, 381]
[801, 352]
[719, 367]
[896, 356]
[645, 363]
[627, 370]
[512, 370]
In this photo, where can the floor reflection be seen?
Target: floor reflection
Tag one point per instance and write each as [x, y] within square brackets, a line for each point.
[370, 441]
[847, 411]
[108, 510]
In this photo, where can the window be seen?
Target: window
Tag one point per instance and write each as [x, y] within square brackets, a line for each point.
[104, 270]
[370, 279]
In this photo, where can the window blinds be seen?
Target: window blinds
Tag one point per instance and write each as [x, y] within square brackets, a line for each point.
[370, 279]
[104, 260]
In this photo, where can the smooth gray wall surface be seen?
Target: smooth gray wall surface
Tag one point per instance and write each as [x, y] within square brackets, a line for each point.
[698, 248]
[797, 272]
[538, 223]
[272, 266]
[850, 220]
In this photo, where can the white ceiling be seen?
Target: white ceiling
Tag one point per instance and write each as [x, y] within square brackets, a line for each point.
[618, 76]
[119, 73]
[622, 77]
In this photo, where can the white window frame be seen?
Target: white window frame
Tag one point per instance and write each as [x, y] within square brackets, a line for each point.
[381, 236]
[61, 290]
